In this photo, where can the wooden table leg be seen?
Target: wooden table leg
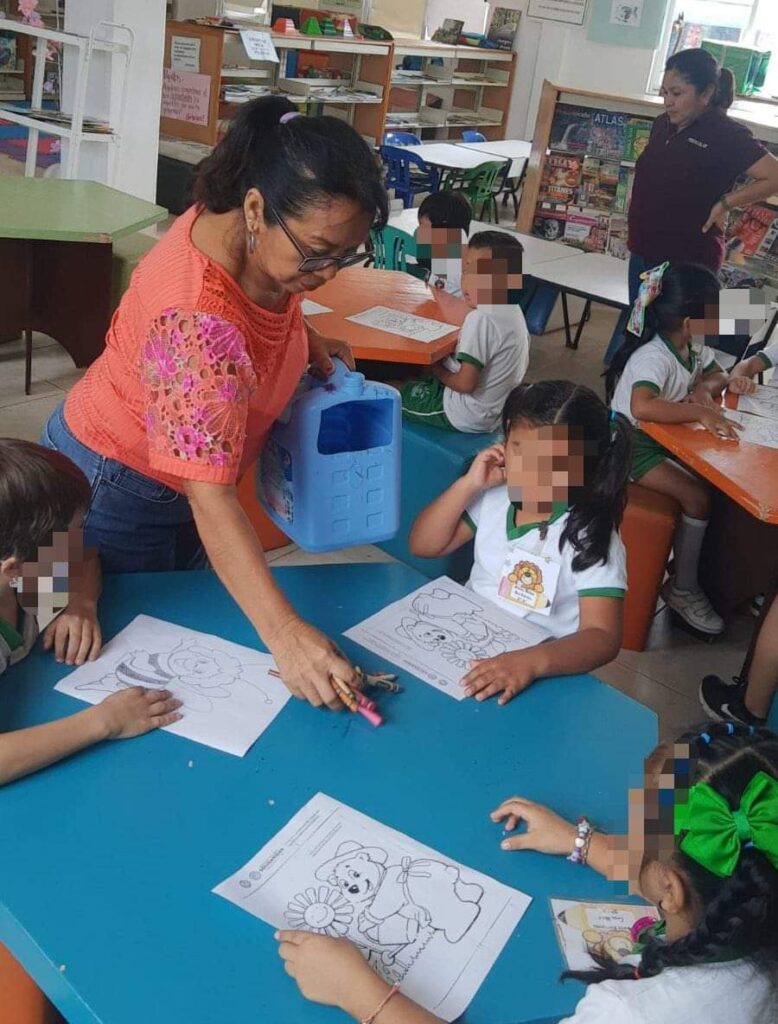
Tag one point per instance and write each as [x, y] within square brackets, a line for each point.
[14, 301]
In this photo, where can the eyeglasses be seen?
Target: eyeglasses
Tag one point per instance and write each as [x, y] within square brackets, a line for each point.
[313, 263]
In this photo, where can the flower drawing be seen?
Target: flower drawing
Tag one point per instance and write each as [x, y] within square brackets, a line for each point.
[323, 911]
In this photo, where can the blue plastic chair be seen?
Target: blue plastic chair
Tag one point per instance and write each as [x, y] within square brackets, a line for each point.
[401, 139]
[468, 135]
[407, 173]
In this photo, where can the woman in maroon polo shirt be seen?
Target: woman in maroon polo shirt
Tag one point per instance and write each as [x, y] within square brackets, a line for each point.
[681, 196]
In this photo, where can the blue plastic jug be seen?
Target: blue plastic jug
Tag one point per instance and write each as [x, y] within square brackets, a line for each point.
[330, 470]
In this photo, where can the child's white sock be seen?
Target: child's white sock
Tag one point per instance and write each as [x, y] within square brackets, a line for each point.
[687, 546]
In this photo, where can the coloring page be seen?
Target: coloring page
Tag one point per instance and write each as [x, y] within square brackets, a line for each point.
[436, 632]
[407, 325]
[756, 429]
[311, 308]
[422, 921]
[584, 928]
[228, 697]
[764, 402]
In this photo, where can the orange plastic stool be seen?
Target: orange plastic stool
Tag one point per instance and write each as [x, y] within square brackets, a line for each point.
[21, 1001]
[269, 534]
[647, 532]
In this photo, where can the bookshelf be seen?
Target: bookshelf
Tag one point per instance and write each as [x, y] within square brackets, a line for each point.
[439, 90]
[352, 80]
[581, 168]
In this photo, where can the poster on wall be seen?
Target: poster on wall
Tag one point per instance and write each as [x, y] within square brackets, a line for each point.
[572, 12]
[185, 96]
[627, 23]
[627, 12]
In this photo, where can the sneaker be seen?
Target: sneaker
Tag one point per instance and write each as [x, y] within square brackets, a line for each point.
[694, 608]
[725, 702]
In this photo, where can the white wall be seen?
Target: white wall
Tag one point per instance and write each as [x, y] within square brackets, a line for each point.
[136, 170]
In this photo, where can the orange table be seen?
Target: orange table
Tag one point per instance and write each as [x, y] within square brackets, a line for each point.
[359, 288]
[746, 473]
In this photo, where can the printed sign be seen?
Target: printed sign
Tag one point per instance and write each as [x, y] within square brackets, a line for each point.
[185, 96]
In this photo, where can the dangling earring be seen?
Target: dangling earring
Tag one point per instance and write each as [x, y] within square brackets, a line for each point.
[252, 241]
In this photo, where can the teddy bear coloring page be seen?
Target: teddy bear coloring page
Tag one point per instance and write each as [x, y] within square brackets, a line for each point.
[440, 629]
[228, 698]
[423, 921]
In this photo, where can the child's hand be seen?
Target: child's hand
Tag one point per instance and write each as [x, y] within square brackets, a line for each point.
[506, 674]
[488, 468]
[716, 423]
[702, 396]
[331, 971]
[741, 386]
[75, 633]
[546, 832]
[137, 711]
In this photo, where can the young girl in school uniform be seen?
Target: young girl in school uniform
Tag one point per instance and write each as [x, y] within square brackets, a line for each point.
[544, 508]
[666, 374]
[702, 846]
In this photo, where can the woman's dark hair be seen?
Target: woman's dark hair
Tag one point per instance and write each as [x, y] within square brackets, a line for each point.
[447, 210]
[738, 914]
[295, 165]
[699, 68]
[596, 507]
[41, 491]
[688, 289]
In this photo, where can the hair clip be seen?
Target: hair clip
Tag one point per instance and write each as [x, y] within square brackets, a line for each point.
[730, 729]
[284, 118]
[705, 737]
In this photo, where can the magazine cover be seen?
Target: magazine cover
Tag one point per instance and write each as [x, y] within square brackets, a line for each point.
[607, 134]
[617, 237]
[560, 178]
[636, 133]
[570, 129]
[599, 181]
[624, 189]
[751, 227]
[549, 221]
[503, 27]
[586, 229]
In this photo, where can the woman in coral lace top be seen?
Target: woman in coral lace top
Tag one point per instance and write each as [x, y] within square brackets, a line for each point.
[205, 351]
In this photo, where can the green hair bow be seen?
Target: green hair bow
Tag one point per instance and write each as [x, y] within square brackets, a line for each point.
[715, 834]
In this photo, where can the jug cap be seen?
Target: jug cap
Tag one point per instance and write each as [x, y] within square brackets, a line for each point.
[353, 381]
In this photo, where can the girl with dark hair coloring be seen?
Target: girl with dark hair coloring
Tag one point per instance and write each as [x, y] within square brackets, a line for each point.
[702, 846]
[544, 507]
[205, 351]
[664, 373]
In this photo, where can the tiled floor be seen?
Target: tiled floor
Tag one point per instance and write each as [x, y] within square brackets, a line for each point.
[664, 678]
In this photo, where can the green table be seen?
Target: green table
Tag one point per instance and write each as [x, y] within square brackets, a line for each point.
[56, 241]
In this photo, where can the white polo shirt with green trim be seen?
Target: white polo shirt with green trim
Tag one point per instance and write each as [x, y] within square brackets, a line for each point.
[491, 516]
[496, 340]
[657, 365]
[769, 354]
[16, 641]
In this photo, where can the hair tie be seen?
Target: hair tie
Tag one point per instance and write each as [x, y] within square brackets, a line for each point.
[705, 737]
[285, 118]
[650, 287]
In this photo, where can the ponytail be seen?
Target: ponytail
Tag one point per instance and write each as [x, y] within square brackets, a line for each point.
[724, 95]
[296, 163]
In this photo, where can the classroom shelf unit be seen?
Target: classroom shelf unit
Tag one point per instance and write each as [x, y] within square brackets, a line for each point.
[578, 181]
[439, 90]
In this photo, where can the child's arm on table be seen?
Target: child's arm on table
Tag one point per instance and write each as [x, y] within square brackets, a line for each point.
[121, 715]
[465, 381]
[710, 387]
[333, 972]
[75, 634]
[646, 405]
[745, 370]
[440, 528]
[596, 642]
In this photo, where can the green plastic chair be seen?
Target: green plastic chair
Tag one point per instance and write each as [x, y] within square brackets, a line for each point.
[479, 185]
[391, 249]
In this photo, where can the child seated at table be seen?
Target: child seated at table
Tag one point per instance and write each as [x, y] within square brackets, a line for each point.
[544, 508]
[47, 578]
[702, 847]
[665, 373]
[444, 224]
[468, 390]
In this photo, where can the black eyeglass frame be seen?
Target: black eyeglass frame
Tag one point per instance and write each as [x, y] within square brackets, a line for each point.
[313, 263]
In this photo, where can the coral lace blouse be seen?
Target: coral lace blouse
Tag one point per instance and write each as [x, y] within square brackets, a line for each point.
[193, 374]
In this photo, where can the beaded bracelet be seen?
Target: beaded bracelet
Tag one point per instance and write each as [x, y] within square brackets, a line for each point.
[370, 1019]
[583, 839]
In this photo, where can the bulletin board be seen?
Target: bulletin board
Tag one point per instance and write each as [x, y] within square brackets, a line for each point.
[192, 91]
[637, 23]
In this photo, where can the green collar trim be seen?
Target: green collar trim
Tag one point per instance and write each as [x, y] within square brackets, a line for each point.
[513, 532]
[11, 636]
[689, 366]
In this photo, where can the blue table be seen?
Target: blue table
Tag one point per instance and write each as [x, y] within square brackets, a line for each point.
[107, 860]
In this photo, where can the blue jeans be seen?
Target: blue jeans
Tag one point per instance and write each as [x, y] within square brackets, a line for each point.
[635, 268]
[136, 523]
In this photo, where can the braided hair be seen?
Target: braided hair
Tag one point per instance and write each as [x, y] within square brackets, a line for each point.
[739, 914]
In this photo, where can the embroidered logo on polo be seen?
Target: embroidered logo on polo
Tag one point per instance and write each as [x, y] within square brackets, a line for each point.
[697, 142]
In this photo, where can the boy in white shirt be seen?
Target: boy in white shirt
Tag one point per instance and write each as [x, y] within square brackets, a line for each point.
[444, 224]
[467, 392]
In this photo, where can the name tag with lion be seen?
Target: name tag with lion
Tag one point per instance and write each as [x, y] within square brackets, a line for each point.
[529, 580]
